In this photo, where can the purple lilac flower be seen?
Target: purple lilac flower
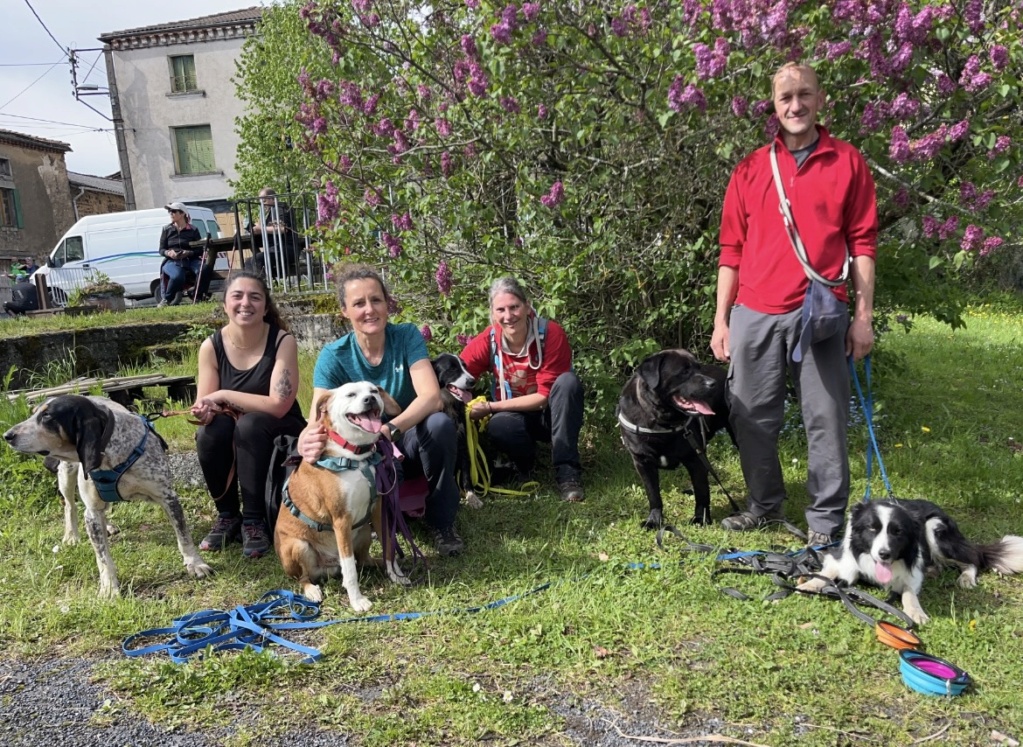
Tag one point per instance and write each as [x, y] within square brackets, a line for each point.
[530, 11]
[463, 340]
[363, 6]
[972, 238]
[393, 244]
[371, 196]
[424, 92]
[501, 32]
[350, 95]
[837, 49]
[739, 106]
[370, 107]
[973, 13]
[901, 198]
[959, 130]
[967, 193]
[344, 164]
[874, 116]
[510, 16]
[555, 197]
[303, 80]
[619, 27]
[762, 107]
[1019, 182]
[539, 38]
[541, 112]
[443, 127]
[478, 81]
[979, 82]
[445, 164]
[999, 57]
[460, 71]
[509, 104]
[946, 86]
[468, 45]
[680, 98]
[703, 59]
[949, 227]
[319, 126]
[928, 146]
[903, 107]
[1001, 145]
[402, 222]
[327, 205]
[325, 89]
[898, 148]
[990, 244]
[984, 199]
[472, 4]
[443, 278]
[469, 151]
[771, 127]
[426, 332]
[393, 307]
[930, 226]
[384, 128]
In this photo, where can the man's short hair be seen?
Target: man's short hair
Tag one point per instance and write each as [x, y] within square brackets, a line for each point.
[267, 192]
[792, 67]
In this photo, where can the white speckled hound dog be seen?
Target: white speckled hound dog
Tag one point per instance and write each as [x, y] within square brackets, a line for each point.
[118, 457]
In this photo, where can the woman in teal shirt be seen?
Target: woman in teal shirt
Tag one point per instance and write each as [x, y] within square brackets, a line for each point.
[394, 357]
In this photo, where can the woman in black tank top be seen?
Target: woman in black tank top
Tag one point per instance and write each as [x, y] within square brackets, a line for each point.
[247, 384]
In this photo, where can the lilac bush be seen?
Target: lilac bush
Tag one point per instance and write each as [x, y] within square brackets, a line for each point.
[586, 147]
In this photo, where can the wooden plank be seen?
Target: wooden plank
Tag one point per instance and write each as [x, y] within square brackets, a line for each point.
[116, 384]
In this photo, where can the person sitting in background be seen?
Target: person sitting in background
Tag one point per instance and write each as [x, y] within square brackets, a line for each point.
[247, 385]
[394, 357]
[180, 258]
[537, 395]
[24, 296]
[276, 232]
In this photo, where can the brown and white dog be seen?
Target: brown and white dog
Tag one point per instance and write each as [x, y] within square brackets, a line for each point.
[330, 508]
[94, 433]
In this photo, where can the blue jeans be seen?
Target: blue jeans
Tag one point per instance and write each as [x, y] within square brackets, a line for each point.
[175, 272]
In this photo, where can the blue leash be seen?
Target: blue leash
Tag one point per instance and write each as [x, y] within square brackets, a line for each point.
[255, 626]
[867, 404]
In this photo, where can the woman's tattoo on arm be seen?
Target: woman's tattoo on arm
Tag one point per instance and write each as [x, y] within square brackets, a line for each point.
[284, 389]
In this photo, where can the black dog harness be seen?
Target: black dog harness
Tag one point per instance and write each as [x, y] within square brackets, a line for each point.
[106, 480]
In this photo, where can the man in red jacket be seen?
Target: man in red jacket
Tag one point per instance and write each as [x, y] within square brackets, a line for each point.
[760, 293]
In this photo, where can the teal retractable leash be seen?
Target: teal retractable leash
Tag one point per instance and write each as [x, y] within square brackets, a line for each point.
[867, 405]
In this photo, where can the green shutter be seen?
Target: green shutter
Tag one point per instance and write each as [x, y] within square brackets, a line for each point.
[17, 210]
[194, 147]
[183, 72]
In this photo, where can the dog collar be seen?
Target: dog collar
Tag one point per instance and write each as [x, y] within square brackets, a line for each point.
[348, 445]
[629, 426]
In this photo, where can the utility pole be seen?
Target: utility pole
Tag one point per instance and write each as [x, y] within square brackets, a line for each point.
[91, 89]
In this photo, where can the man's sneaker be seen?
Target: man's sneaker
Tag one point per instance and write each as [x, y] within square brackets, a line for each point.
[255, 542]
[162, 303]
[226, 529]
[447, 542]
[818, 539]
[745, 521]
[571, 491]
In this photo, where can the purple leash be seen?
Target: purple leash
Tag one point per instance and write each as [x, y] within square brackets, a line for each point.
[392, 519]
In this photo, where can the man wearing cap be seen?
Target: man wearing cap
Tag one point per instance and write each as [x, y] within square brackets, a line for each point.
[762, 286]
[180, 257]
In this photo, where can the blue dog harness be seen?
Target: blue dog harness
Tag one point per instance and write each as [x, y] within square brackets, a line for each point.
[106, 479]
[338, 464]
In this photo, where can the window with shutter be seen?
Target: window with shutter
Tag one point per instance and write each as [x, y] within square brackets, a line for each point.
[193, 150]
[183, 74]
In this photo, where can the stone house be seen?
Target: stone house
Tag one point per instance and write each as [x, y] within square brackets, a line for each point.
[95, 195]
[174, 108]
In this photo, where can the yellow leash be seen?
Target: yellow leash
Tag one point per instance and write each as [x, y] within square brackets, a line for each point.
[479, 472]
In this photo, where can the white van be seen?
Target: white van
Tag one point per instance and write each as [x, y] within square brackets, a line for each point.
[123, 246]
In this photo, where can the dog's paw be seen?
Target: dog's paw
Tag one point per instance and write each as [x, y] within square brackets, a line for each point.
[200, 569]
[312, 592]
[472, 500]
[400, 579]
[918, 616]
[655, 520]
[109, 591]
[69, 539]
[701, 520]
[112, 530]
[968, 578]
[813, 586]
[360, 604]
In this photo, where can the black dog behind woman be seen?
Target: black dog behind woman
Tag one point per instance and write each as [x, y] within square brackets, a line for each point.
[668, 411]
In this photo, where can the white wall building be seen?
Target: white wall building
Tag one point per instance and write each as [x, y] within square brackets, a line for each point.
[174, 107]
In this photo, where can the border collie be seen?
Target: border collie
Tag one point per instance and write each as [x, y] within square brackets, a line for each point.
[456, 385]
[895, 544]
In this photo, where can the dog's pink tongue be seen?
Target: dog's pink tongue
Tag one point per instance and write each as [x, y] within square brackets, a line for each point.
[368, 423]
[692, 404]
[883, 571]
[462, 394]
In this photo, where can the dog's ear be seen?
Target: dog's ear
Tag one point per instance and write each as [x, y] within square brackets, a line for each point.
[391, 406]
[857, 511]
[650, 370]
[320, 409]
[89, 428]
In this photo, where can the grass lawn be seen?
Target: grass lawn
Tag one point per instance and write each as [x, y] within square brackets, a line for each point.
[662, 642]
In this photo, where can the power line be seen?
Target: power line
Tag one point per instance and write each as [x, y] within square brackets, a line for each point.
[24, 64]
[47, 121]
[59, 45]
[92, 67]
[32, 83]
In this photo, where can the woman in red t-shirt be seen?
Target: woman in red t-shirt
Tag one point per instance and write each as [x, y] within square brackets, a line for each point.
[537, 395]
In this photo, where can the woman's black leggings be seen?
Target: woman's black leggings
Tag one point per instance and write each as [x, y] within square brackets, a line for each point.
[244, 445]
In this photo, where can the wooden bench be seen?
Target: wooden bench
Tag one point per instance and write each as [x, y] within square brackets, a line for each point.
[124, 390]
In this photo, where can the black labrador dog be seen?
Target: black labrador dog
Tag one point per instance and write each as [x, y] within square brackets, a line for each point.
[668, 411]
[456, 385]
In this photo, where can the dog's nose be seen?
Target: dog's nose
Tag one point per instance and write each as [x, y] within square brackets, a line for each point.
[9, 435]
[884, 555]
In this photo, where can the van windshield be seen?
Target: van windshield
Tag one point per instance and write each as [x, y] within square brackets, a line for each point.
[71, 249]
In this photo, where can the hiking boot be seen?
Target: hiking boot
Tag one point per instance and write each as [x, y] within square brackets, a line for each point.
[225, 530]
[447, 542]
[746, 522]
[571, 491]
[255, 542]
[818, 539]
